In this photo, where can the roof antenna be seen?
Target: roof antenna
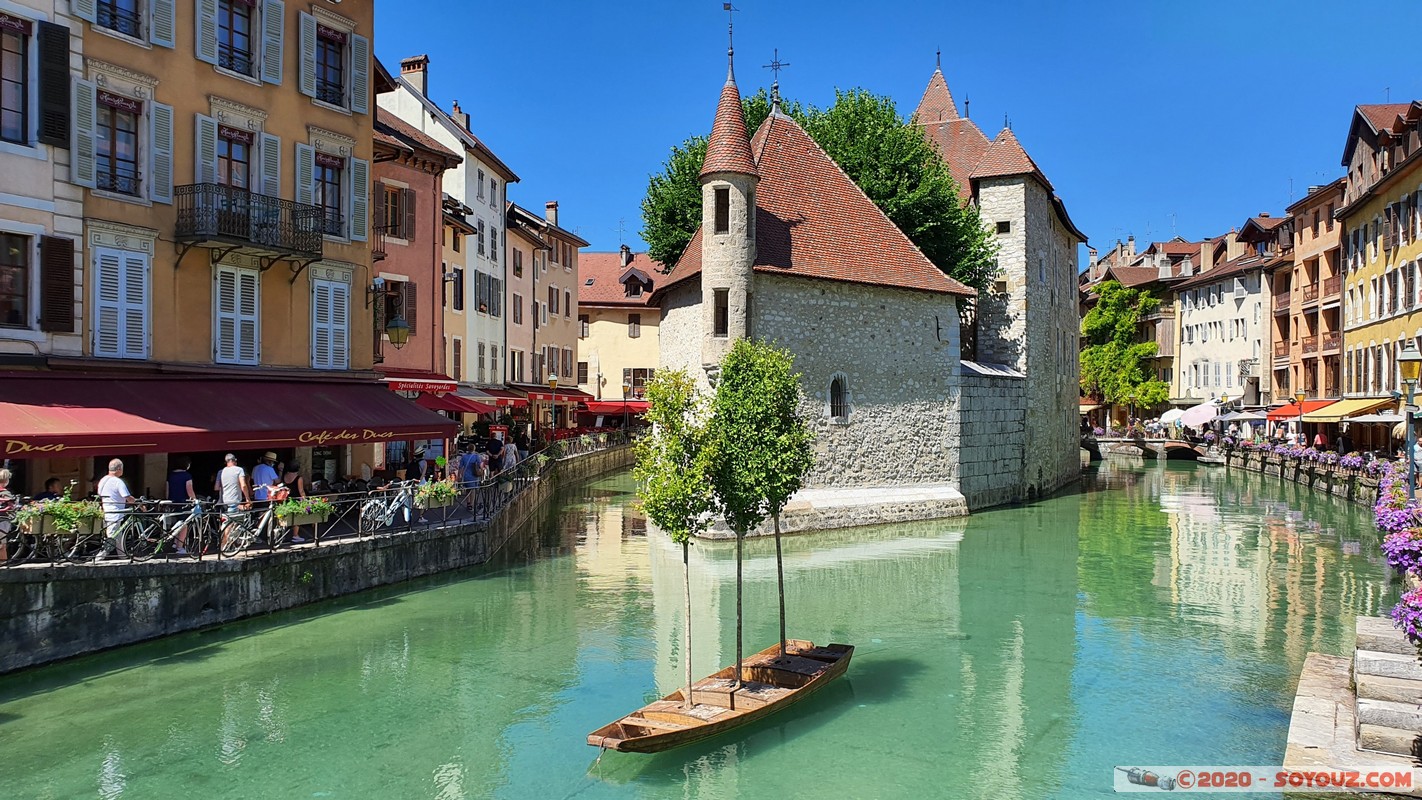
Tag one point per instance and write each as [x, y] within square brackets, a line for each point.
[1387, 93]
[775, 66]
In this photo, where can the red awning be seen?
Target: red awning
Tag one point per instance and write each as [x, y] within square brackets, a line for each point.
[1290, 411]
[544, 394]
[47, 415]
[616, 406]
[455, 403]
[412, 380]
[500, 397]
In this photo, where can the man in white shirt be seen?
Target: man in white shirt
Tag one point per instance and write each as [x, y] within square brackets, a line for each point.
[115, 499]
[232, 483]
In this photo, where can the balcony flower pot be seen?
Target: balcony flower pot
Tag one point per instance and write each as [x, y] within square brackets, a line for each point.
[303, 511]
[434, 503]
[436, 495]
[293, 520]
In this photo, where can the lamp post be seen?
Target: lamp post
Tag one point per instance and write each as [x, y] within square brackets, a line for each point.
[552, 402]
[626, 420]
[1409, 362]
[1299, 396]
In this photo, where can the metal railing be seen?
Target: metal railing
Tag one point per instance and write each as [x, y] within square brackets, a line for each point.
[377, 242]
[1310, 345]
[1332, 286]
[110, 15]
[1332, 341]
[212, 211]
[360, 511]
[123, 182]
[1310, 293]
[1281, 349]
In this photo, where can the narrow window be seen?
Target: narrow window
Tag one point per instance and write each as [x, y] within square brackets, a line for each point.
[330, 66]
[116, 145]
[329, 194]
[234, 157]
[723, 209]
[458, 288]
[14, 281]
[839, 399]
[234, 36]
[583, 329]
[458, 354]
[634, 326]
[722, 321]
[1004, 227]
[14, 82]
[582, 373]
[121, 16]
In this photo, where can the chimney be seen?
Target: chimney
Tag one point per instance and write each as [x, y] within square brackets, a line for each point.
[1263, 214]
[1234, 248]
[1130, 248]
[1207, 254]
[1163, 270]
[626, 256]
[550, 212]
[460, 118]
[1187, 267]
[415, 70]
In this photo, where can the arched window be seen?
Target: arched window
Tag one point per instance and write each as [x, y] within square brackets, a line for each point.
[839, 398]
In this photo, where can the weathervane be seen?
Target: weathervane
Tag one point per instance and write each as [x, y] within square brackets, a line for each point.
[775, 66]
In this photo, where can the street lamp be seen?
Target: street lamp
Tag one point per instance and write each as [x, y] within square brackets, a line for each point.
[553, 400]
[626, 387]
[1409, 361]
[1299, 396]
[398, 330]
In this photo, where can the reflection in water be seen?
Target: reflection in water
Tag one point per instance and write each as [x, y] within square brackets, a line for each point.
[1160, 614]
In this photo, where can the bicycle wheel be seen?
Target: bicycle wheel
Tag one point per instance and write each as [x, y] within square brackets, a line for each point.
[80, 548]
[370, 515]
[141, 538]
[238, 535]
[198, 536]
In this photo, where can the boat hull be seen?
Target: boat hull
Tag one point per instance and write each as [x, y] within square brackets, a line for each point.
[770, 683]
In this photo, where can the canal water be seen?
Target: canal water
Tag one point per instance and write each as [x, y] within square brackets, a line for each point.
[1158, 615]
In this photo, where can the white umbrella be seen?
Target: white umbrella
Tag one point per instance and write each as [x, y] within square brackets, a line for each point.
[1171, 415]
[1199, 415]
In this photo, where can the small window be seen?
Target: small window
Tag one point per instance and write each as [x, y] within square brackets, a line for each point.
[14, 281]
[723, 209]
[634, 287]
[330, 66]
[582, 329]
[14, 81]
[567, 303]
[1004, 227]
[839, 399]
[634, 326]
[722, 319]
[457, 241]
[120, 15]
[234, 36]
[582, 373]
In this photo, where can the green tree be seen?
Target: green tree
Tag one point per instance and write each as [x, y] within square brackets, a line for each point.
[761, 451]
[891, 162]
[671, 473]
[1114, 366]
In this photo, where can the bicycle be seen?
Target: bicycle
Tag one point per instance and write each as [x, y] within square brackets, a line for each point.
[238, 532]
[135, 533]
[190, 524]
[379, 510]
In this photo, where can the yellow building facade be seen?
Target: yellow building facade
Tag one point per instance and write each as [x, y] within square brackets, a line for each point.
[618, 332]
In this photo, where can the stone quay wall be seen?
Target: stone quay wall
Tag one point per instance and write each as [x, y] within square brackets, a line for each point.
[52, 613]
[1352, 486]
[994, 440]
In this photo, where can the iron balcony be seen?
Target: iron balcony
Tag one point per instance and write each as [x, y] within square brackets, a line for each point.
[214, 215]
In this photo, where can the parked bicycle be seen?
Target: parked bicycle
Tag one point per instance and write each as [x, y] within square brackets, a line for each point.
[380, 510]
[181, 530]
[239, 531]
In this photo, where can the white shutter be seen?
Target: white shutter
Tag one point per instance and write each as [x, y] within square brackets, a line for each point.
[321, 325]
[108, 301]
[206, 31]
[360, 199]
[86, 116]
[273, 33]
[161, 182]
[135, 305]
[205, 150]
[270, 155]
[249, 335]
[162, 30]
[224, 334]
[340, 325]
[360, 74]
[307, 82]
[305, 173]
[87, 10]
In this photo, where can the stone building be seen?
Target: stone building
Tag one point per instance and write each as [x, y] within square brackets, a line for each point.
[792, 252]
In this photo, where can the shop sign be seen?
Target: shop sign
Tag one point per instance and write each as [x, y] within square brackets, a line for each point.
[433, 387]
[344, 436]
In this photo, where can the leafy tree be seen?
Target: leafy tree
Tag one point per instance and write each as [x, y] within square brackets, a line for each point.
[671, 473]
[761, 451]
[892, 162]
[1114, 366]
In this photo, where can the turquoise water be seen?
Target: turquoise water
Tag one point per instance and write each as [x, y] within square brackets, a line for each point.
[1159, 615]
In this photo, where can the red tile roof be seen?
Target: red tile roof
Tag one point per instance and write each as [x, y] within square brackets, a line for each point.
[937, 104]
[729, 149]
[1382, 115]
[812, 221]
[1006, 157]
[395, 131]
[1245, 263]
[600, 274]
[961, 145]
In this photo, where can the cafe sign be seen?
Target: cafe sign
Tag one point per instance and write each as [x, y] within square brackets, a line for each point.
[432, 387]
[344, 436]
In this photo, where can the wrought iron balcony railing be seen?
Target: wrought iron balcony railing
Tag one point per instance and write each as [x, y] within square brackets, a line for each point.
[212, 212]
[1332, 342]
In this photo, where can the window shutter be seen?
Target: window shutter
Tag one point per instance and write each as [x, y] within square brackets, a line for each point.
[162, 30]
[271, 164]
[205, 163]
[249, 343]
[224, 335]
[86, 113]
[307, 81]
[360, 199]
[205, 31]
[273, 34]
[87, 10]
[161, 143]
[135, 305]
[379, 321]
[108, 302]
[305, 173]
[340, 325]
[498, 296]
[408, 305]
[53, 43]
[56, 284]
[321, 325]
[409, 204]
[360, 74]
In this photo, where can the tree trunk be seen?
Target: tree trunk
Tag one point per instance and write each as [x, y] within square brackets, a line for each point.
[740, 549]
[686, 651]
[780, 580]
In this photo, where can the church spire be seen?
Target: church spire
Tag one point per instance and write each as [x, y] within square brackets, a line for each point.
[729, 149]
[937, 104]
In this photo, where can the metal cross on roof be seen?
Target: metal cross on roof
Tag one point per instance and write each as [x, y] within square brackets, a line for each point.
[775, 66]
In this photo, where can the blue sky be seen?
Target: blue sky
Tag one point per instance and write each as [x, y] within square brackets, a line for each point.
[1150, 118]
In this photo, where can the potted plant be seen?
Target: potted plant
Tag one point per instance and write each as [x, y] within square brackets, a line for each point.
[61, 515]
[435, 494]
[303, 511]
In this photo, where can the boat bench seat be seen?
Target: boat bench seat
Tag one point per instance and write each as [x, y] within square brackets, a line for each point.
[752, 694]
[659, 724]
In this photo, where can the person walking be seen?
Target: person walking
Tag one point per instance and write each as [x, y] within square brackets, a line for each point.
[291, 478]
[115, 498]
[180, 492]
[234, 491]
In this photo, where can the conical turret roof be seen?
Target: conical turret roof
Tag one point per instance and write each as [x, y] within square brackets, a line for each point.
[729, 149]
[937, 104]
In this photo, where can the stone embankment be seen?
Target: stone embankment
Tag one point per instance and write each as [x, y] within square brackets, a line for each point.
[1349, 484]
[51, 613]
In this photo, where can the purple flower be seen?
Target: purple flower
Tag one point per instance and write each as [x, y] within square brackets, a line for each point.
[1407, 615]
[1098, 431]
[1330, 458]
[1404, 549]
[1351, 461]
[1210, 437]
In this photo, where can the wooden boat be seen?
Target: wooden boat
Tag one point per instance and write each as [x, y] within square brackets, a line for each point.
[770, 682]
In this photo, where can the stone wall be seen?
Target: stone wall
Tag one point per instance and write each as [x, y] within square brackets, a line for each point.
[679, 331]
[47, 614]
[994, 438]
[1331, 480]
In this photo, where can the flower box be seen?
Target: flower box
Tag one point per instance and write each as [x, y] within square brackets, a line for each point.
[45, 525]
[292, 520]
[433, 503]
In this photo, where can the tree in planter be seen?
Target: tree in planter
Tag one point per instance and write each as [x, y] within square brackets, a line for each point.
[1114, 366]
[761, 452]
[671, 473]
